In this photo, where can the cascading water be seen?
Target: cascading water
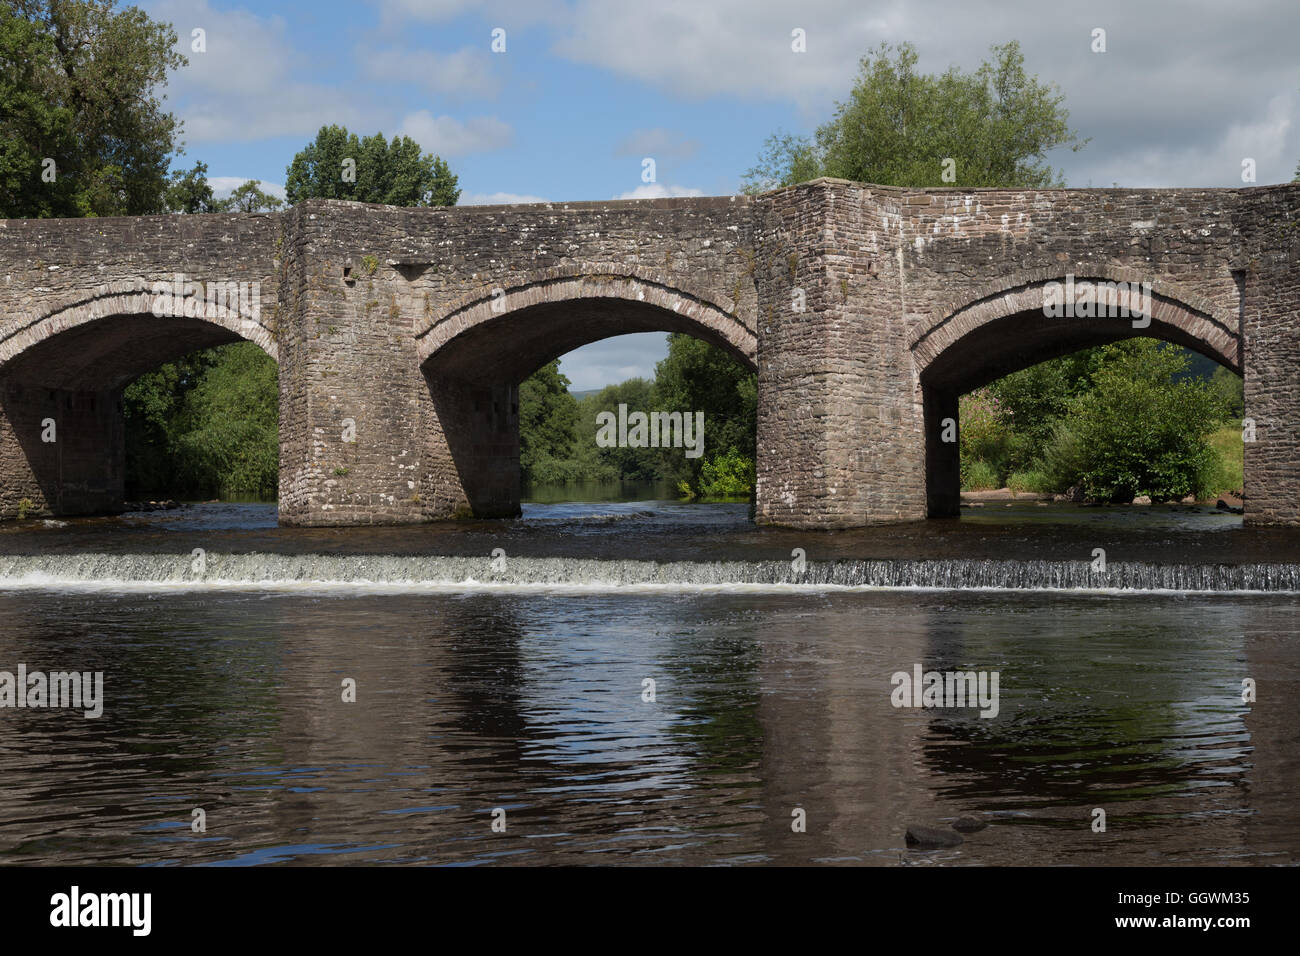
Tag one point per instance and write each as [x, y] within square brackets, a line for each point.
[263, 571]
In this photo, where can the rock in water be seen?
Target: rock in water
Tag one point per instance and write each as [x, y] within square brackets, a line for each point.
[926, 837]
[968, 824]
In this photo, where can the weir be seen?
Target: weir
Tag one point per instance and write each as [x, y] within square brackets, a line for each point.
[100, 571]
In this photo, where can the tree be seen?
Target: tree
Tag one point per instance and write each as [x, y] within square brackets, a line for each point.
[226, 433]
[205, 425]
[189, 191]
[625, 464]
[248, 197]
[992, 127]
[151, 406]
[339, 165]
[82, 131]
[697, 376]
[1229, 393]
[547, 416]
[1139, 429]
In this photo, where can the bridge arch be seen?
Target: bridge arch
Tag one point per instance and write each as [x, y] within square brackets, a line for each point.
[476, 352]
[115, 315]
[1003, 328]
[558, 310]
[67, 365]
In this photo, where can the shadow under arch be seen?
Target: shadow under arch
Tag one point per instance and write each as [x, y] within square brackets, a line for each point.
[62, 374]
[1006, 329]
[474, 356]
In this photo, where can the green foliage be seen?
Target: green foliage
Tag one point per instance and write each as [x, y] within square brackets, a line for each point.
[730, 475]
[558, 435]
[1028, 482]
[1033, 400]
[395, 173]
[624, 464]
[1228, 473]
[189, 191]
[898, 127]
[1141, 432]
[1058, 425]
[982, 434]
[205, 426]
[152, 405]
[1062, 460]
[77, 85]
[547, 417]
[697, 376]
[1228, 390]
[978, 475]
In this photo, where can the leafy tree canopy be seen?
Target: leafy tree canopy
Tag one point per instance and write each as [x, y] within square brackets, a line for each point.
[899, 127]
[339, 165]
[78, 82]
[189, 191]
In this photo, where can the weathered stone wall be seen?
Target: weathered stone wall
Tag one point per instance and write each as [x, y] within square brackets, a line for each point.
[77, 324]
[1268, 222]
[973, 265]
[402, 334]
[419, 324]
[835, 381]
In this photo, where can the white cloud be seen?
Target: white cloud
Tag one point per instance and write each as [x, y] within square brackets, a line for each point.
[1207, 163]
[658, 143]
[243, 86]
[506, 13]
[465, 73]
[615, 360]
[1158, 105]
[728, 46]
[659, 191]
[499, 199]
[448, 136]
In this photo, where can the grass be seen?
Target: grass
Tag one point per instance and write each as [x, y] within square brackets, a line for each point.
[1228, 474]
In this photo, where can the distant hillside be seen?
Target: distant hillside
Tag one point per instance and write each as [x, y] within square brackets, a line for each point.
[581, 393]
[1199, 366]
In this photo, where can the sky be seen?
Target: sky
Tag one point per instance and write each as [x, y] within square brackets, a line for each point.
[584, 91]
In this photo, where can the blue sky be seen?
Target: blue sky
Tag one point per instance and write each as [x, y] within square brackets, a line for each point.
[585, 90]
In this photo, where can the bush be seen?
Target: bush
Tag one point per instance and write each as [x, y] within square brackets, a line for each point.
[727, 476]
[1142, 432]
[1228, 471]
[978, 475]
[227, 433]
[984, 435]
[1063, 458]
[1028, 482]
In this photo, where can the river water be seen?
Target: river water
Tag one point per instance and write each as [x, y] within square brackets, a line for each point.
[523, 686]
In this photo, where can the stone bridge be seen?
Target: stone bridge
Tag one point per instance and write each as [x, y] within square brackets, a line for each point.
[402, 334]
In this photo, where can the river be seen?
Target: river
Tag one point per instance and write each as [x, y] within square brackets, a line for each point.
[520, 683]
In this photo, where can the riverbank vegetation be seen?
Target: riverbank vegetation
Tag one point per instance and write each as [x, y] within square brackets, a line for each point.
[558, 431]
[1134, 418]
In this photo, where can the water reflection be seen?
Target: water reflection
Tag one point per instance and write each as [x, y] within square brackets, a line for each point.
[534, 703]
